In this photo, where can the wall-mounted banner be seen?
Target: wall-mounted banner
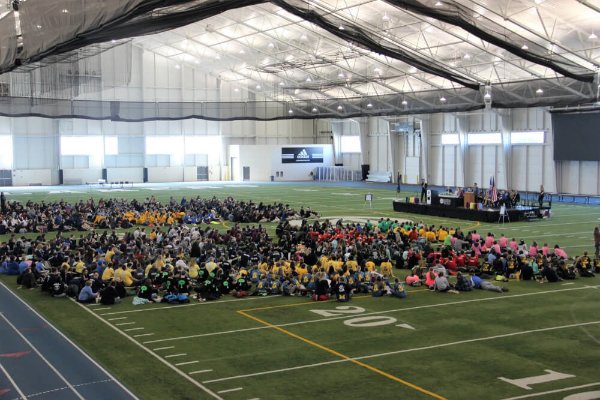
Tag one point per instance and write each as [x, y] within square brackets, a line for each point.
[301, 155]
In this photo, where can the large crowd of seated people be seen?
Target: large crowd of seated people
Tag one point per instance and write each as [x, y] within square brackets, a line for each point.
[169, 256]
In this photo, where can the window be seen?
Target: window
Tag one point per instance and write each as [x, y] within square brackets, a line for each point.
[6, 152]
[350, 144]
[81, 145]
[528, 137]
[484, 138]
[450, 138]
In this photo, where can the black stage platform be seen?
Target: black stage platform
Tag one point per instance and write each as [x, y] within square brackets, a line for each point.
[521, 213]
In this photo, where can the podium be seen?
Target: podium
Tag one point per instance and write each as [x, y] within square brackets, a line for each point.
[468, 197]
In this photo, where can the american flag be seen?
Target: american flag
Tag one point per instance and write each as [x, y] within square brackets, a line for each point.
[493, 192]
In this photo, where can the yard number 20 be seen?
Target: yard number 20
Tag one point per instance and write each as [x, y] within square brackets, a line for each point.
[358, 322]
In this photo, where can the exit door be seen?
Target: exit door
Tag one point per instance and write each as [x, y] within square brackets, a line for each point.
[246, 173]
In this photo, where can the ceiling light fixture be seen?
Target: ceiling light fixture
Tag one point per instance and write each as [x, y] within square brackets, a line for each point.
[65, 11]
[242, 51]
[412, 70]
[340, 108]
[369, 105]
[38, 26]
[271, 45]
[438, 4]
[303, 37]
[341, 27]
[314, 109]
[290, 111]
[386, 17]
[341, 75]
[281, 83]
[177, 66]
[524, 47]
[593, 36]
[258, 87]
[308, 79]
[539, 91]
[467, 56]
[404, 102]
[487, 96]
[236, 90]
[443, 99]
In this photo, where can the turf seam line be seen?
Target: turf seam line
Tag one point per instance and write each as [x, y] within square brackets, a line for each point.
[311, 321]
[345, 357]
[39, 353]
[147, 350]
[86, 355]
[405, 351]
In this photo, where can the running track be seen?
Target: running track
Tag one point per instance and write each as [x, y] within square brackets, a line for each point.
[38, 362]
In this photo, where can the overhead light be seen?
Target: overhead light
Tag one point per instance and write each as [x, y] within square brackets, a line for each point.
[539, 91]
[217, 56]
[377, 70]
[467, 56]
[404, 102]
[340, 108]
[112, 41]
[258, 87]
[303, 37]
[242, 51]
[314, 109]
[443, 99]
[290, 111]
[65, 11]
[197, 61]
[538, 1]
[296, 91]
[271, 45]
[177, 66]
[593, 36]
[487, 96]
[341, 27]
[236, 90]
[308, 79]
[282, 83]
[38, 26]
[369, 105]
[524, 47]
[341, 75]
[438, 4]
[386, 17]
[412, 70]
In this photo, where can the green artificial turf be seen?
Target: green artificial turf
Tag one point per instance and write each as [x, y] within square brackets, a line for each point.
[459, 347]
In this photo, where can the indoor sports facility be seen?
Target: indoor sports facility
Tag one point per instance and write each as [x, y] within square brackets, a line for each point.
[292, 199]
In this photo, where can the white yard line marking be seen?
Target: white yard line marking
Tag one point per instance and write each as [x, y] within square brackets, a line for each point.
[158, 357]
[42, 357]
[414, 349]
[62, 335]
[525, 396]
[176, 355]
[172, 307]
[568, 283]
[229, 390]
[12, 382]
[93, 304]
[200, 372]
[187, 363]
[163, 348]
[102, 309]
[116, 319]
[133, 329]
[125, 323]
[144, 334]
[310, 321]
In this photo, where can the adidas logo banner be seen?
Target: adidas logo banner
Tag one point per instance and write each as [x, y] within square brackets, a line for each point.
[301, 155]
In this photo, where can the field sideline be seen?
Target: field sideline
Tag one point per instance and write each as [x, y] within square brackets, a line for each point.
[429, 345]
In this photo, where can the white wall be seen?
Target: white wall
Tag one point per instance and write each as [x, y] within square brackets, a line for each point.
[265, 160]
[135, 175]
[78, 176]
[165, 174]
[26, 177]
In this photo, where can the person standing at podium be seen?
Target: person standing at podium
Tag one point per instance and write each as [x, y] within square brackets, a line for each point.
[541, 196]
[423, 190]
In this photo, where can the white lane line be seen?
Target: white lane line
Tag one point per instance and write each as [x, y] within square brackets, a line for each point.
[144, 334]
[176, 355]
[62, 335]
[163, 348]
[12, 382]
[133, 329]
[525, 396]
[66, 387]
[116, 319]
[125, 323]
[229, 390]
[310, 321]
[174, 307]
[42, 357]
[200, 372]
[187, 363]
[414, 349]
[158, 357]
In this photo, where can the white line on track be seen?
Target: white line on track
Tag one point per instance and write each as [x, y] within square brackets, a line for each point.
[310, 321]
[172, 307]
[525, 396]
[158, 357]
[229, 390]
[12, 382]
[202, 371]
[66, 387]
[163, 348]
[187, 363]
[125, 323]
[414, 349]
[42, 357]
[62, 335]
[176, 355]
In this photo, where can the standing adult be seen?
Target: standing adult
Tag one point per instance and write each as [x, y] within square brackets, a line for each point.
[423, 190]
[541, 195]
[2, 202]
[597, 241]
